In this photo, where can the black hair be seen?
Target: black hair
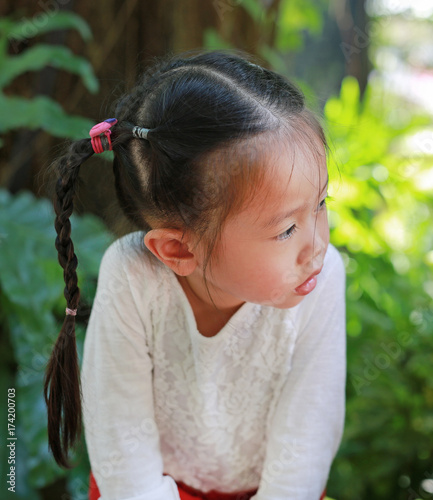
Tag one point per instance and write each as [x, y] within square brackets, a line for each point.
[199, 163]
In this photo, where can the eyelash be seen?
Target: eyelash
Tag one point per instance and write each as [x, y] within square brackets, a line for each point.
[288, 233]
[322, 204]
[292, 230]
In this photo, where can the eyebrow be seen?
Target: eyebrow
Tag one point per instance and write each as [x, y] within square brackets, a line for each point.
[277, 219]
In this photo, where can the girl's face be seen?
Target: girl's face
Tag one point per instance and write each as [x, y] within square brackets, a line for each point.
[271, 252]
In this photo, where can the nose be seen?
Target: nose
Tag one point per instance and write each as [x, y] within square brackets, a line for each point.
[313, 252]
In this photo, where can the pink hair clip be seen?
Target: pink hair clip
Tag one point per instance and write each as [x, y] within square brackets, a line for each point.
[99, 129]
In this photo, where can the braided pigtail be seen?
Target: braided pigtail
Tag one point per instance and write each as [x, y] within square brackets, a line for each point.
[62, 384]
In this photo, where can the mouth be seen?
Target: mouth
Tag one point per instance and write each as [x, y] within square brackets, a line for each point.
[309, 284]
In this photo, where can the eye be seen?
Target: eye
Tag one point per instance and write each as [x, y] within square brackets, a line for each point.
[287, 234]
[322, 204]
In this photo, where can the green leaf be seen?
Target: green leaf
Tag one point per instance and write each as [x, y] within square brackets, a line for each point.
[44, 22]
[37, 57]
[294, 17]
[44, 113]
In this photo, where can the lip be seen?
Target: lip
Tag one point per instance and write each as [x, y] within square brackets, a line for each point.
[309, 284]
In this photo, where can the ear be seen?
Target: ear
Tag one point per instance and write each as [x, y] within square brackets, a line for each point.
[172, 248]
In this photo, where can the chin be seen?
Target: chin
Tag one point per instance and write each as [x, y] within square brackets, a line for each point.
[290, 303]
[283, 302]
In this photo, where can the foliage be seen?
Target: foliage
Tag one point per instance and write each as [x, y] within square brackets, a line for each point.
[283, 27]
[41, 112]
[33, 305]
[293, 19]
[381, 221]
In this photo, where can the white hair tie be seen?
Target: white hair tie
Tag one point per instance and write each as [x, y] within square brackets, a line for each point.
[140, 133]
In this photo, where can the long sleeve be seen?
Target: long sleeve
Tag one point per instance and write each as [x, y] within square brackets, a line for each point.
[118, 409]
[307, 425]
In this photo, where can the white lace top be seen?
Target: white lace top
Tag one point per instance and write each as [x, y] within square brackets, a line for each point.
[260, 404]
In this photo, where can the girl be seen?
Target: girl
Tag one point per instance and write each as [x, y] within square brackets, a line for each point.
[214, 359]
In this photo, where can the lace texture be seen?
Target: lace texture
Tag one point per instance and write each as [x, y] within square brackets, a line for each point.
[214, 396]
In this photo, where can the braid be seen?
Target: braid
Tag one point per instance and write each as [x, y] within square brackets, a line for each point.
[63, 206]
[62, 385]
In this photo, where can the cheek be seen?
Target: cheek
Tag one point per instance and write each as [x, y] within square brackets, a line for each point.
[324, 229]
[262, 266]
[248, 267]
[276, 270]
[321, 229]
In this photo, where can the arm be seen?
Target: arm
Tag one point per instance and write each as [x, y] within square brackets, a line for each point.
[120, 429]
[307, 426]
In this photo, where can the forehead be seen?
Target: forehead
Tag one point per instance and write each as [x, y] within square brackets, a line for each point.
[296, 173]
[294, 169]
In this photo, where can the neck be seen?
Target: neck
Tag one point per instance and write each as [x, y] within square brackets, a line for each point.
[197, 294]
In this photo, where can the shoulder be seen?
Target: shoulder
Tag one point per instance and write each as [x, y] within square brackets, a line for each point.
[127, 255]
[125, 248]
[130, 275]
[127, 264]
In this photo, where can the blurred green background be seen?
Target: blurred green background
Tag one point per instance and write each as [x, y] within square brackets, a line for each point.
[366, 67]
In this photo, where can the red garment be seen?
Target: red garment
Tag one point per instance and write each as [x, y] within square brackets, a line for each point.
[188, 493]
